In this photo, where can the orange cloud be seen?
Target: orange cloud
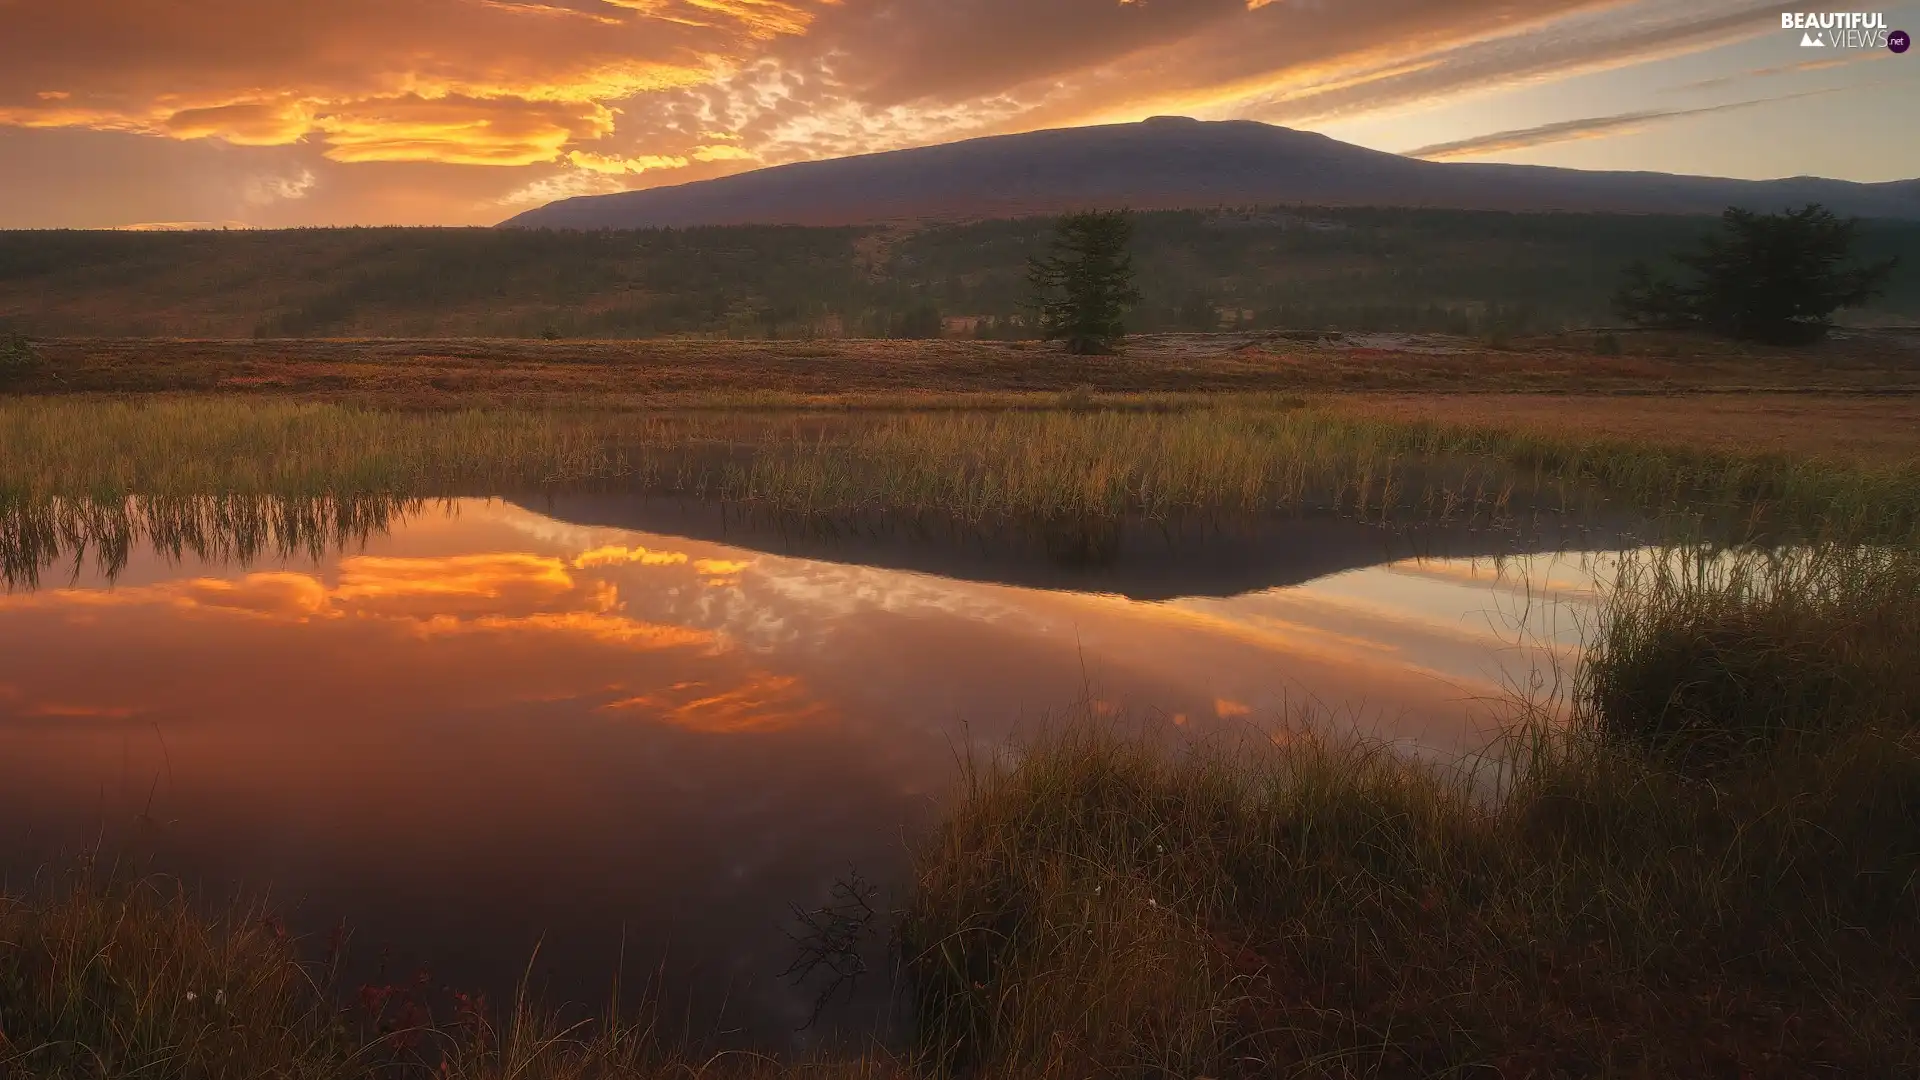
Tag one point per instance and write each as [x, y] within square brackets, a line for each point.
[616, 165]
[598, 96]
[253, 123]
[721, 152]
[459, 130]
[488, 83]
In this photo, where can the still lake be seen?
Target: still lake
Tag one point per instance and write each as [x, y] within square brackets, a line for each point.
[602, 728]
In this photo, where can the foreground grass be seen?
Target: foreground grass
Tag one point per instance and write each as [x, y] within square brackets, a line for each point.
[120, 980]
[1705, 658]
[1713, 868]
[1103, 910]
[1084, 458]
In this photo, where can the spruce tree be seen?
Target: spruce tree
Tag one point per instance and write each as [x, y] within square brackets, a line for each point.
[1084, 286]
[1774, 278]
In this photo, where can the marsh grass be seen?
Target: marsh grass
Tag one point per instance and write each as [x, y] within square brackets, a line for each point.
[968, 466]
[1102, 457]
[1706, 861]
[103, 977]
[1756, 494]
[1704, 655]
[1098, 906]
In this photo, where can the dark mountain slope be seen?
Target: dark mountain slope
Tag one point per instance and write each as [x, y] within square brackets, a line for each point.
[1175, 163]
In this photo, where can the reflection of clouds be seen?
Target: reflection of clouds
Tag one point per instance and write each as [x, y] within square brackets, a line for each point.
[732, 633]
[766, 601]
[1571, 576]
[762, 702]
[616, 555]
[281, 595]
[367, 580]
[438, 596]
[1428, 630]
[68, 711]
[721, 571]
[596, 626]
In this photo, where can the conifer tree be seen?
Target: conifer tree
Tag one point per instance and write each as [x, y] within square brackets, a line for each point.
[1775, 278]
[1084, 287]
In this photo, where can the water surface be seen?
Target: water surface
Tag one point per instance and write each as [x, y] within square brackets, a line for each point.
[572, 724]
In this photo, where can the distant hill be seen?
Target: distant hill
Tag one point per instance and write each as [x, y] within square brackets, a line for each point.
[1171, 163]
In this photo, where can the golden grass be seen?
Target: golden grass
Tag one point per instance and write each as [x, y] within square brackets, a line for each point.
[1099, 907]
[1707, 656]
[1092, 462]
[1082, 459]
[1856, 429]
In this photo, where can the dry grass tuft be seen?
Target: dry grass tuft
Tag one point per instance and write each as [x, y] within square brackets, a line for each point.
[1098, 907]
[1706, 656]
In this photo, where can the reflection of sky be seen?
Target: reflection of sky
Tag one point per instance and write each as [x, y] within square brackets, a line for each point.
[580, 729]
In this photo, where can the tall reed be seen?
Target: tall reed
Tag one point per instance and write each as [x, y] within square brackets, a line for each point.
[1706, 654]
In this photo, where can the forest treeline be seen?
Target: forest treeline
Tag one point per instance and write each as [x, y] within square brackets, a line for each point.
[1348, 269]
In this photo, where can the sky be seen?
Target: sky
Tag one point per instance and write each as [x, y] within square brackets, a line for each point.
[280, 113]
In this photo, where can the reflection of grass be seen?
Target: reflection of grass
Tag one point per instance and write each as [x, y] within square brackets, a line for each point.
[35, 534]
[1232, 454]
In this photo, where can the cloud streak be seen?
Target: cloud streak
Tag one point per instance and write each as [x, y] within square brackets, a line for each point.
[1784, 69]
[1592, 127]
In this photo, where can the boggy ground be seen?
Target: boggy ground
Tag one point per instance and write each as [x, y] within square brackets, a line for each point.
[468, 372]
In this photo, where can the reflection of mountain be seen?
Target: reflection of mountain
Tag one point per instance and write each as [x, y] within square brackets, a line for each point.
[1139, 560]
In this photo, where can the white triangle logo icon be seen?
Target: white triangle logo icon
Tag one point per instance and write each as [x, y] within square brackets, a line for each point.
[1808, 41]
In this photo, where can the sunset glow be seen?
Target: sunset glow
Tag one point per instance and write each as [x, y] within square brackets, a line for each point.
[274, 113]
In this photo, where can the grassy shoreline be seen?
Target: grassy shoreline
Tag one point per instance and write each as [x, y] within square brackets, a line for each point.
[1086, 458]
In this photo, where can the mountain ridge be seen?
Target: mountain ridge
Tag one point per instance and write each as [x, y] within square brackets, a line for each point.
[1176, 163]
